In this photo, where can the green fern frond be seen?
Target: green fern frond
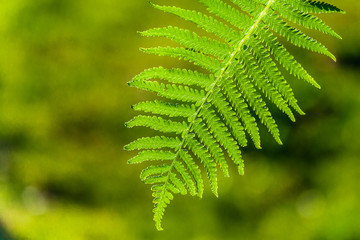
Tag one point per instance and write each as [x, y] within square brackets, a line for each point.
[215, 113]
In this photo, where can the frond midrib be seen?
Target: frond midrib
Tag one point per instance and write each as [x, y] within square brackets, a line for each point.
[216, 81]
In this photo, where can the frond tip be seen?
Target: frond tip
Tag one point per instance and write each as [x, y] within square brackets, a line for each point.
[206, 118]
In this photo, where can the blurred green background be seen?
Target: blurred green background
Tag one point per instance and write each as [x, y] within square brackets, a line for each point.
[64, 65]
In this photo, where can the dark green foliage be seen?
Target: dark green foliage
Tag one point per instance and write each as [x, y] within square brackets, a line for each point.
[214, 113]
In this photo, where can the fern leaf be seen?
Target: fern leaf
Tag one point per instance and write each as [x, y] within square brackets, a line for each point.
[217, 110]
[263, 83]
[190, 40]
[177, 76]
[171, 187]
[251, 7]
[223, 136]
[162, 197]
[274, 75]
[154, 170]
[155, 180]
[199, 59]
[297, 37]
[152, 155]
[157, 123]
[203, 21]
[174, 92]
[153, 143]
[310, 6]
[243, 112]
[199, 150]
[285, 58]
[193, 169]
[258, 104]
[178, 183]
[304, 19]
[214, 149]
[228, 13]
[179, 167]
[163, 108]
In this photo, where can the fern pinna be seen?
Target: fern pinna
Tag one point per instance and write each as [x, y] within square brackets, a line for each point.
[219, 109]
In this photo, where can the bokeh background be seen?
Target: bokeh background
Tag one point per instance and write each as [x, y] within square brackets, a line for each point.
[64, 65]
